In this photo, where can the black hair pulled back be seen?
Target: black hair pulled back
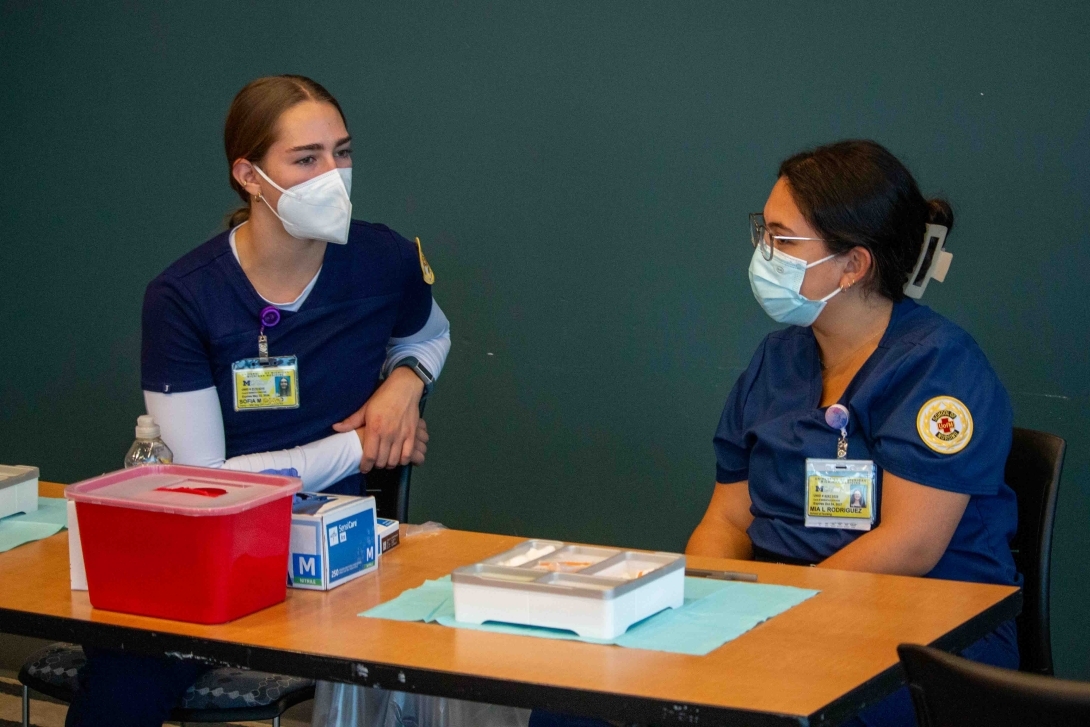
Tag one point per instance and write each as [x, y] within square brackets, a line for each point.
[855, 193]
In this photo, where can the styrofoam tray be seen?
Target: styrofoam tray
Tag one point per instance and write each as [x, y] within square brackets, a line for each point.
[595, 592]
[18, 489]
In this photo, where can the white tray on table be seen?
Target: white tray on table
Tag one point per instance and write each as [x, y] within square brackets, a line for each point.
[595, 592]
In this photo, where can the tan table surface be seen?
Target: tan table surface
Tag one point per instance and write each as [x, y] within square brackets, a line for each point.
[50, 489]
[820, 661]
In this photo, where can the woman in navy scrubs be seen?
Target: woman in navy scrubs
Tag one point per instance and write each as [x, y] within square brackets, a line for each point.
[297, 339]
[867, 376]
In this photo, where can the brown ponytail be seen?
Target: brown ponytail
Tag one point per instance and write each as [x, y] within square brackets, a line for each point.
[940, 213]
[250, 128]
[236, 218]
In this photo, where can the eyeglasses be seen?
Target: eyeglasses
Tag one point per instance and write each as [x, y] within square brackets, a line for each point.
[764, 240]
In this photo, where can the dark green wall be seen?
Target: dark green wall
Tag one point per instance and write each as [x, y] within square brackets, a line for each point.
[580, 175]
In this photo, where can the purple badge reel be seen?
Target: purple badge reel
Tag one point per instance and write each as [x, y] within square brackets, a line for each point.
[270, 316]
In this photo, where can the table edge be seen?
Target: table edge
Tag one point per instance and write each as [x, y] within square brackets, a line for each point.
[888, 681]
[383, 675]
[479, 688]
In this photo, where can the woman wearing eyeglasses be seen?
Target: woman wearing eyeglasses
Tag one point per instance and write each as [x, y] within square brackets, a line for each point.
[866, 392]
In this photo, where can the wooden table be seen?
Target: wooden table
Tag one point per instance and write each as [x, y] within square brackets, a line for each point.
[816, 664]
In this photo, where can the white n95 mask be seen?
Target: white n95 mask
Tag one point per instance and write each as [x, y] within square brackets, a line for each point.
[777, 284]
[317, 209]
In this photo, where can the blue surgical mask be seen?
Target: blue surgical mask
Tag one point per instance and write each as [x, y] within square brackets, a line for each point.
[777, 284]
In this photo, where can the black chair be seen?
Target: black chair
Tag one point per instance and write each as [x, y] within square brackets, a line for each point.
[390, 488]
[1033, 472]
[220, 695]
[949, 691]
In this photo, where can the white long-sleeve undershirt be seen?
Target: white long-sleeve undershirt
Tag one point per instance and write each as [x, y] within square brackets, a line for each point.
[192, 426]
[430, 345]
[191, 422]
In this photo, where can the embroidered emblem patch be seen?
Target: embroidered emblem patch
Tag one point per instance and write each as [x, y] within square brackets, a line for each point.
[429, 274]
[945, 424]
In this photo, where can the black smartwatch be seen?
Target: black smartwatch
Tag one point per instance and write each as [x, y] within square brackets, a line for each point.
[419, 369]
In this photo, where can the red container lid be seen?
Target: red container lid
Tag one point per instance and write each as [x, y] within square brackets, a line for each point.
[182, 490]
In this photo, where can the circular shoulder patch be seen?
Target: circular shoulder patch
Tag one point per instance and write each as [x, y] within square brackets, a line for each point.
[945, 424]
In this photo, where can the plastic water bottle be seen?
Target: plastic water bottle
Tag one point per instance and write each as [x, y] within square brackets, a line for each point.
[148, 447]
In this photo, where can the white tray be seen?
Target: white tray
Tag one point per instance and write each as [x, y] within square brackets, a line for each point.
[595, 592]
[18, 489]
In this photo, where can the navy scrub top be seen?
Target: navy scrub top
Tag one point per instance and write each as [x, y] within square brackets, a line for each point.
[202, 314]
[772, 423]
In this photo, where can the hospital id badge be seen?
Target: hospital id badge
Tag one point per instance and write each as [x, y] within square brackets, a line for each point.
[840, 493]
[273, 384]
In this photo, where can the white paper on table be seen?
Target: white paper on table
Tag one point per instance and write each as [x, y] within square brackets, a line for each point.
[75, 551]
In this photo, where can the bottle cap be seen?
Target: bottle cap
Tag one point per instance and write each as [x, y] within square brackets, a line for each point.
[146, 428]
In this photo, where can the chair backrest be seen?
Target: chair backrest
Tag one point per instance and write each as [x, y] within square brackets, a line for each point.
[390, 488]
[1033, 472]
[949, 691]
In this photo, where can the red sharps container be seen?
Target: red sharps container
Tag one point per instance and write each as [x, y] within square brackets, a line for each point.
[185, 543]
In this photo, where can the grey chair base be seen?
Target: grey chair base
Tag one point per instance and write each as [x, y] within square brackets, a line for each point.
[220, 695]
[224, 716]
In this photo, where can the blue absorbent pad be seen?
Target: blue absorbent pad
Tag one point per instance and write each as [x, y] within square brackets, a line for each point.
[714, 613]
[51, 518]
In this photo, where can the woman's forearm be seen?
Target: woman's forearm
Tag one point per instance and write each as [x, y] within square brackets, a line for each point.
[722, 532]
[719, 539]
[884, 550]
[192, 426]
[918, 523]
